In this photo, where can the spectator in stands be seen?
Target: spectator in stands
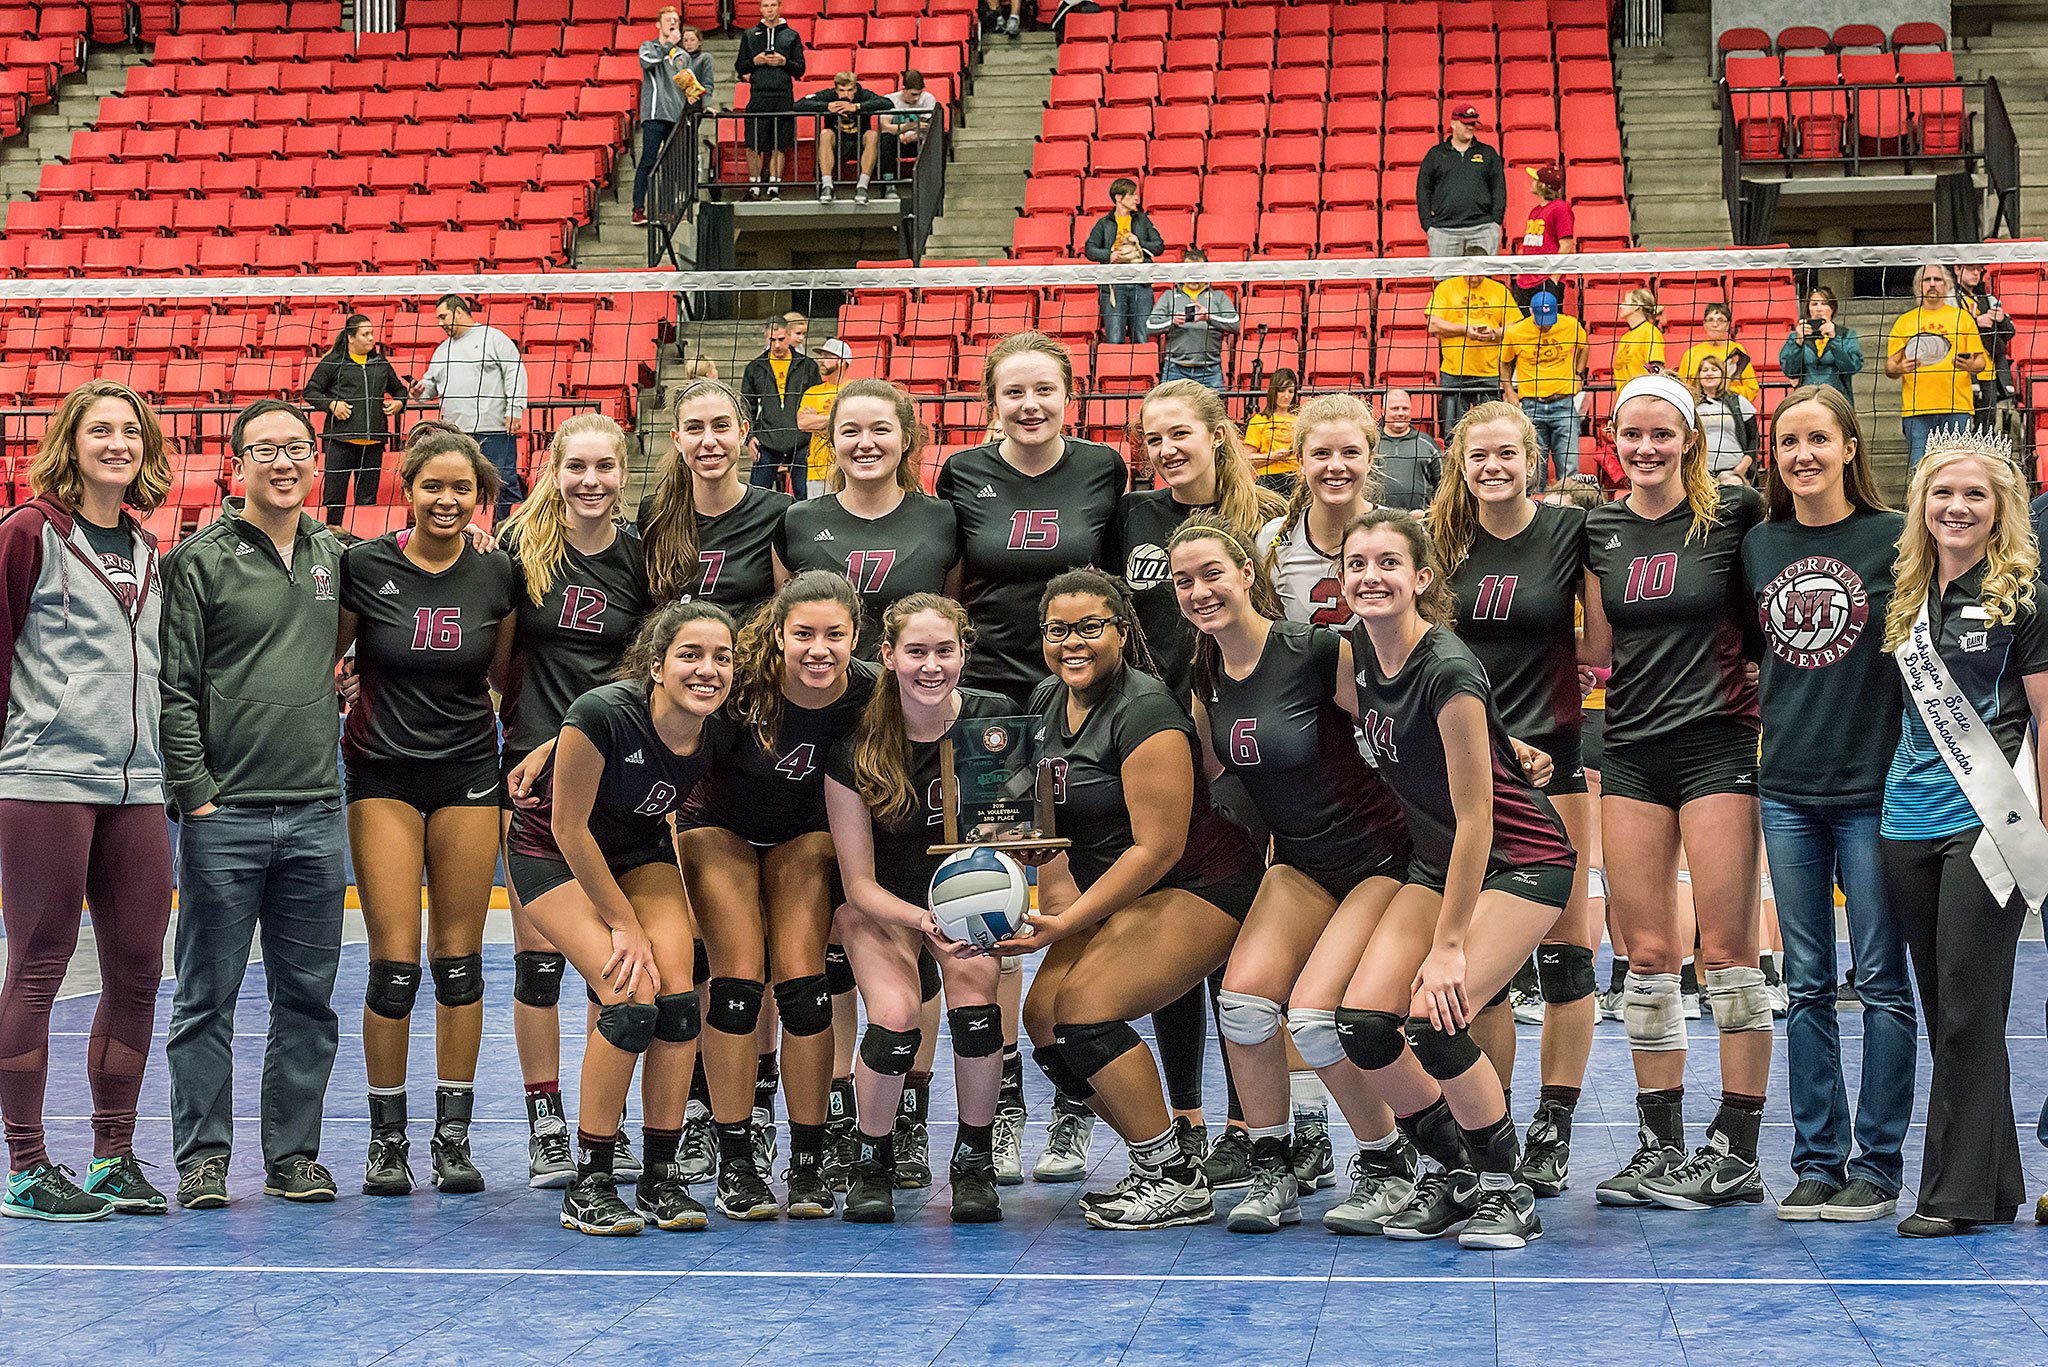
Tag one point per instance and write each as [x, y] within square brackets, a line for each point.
[1973, 292]
[1003, 16]
[773, 388]
[771, 60]
[912, 111]
[1543, 368]
[833, 358]
[1936, 352]
[1719, 322]
[1197, 320]
[1461, 192]
[1269, 433]
[674, 79]
[1727, 425]
[355, 386]
[847, 134]
[1550, 231]
[1468, 314]
[1819, 350]
[1125, 237]
[1409, 462]
[1641, 349]
[799, 327]
[479, 378]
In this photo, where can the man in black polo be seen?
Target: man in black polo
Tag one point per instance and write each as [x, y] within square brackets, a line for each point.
[1461, 192]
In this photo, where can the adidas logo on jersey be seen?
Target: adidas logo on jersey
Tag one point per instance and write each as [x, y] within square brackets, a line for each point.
[1614, 542]
[636, 758]
[987, 491]
[243, 548]
[390, 590]
[825, 535]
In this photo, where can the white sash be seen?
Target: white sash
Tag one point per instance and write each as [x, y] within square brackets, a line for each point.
[2012, 851]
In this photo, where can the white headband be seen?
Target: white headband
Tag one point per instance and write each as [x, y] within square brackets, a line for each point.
[1665, 387]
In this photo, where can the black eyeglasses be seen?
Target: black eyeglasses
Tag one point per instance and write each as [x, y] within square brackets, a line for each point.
[1088, 628]
[266, 453]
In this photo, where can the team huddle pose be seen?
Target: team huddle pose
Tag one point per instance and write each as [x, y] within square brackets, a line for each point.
[1322, 770]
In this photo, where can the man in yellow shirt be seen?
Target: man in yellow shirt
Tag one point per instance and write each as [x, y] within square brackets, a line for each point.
[1467, 315]
[816, 407]
[1543, 368]
[1936, 353]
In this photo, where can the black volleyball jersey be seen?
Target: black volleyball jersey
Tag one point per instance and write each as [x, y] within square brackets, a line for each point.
[1016, 532]
[1088, 783]
[908, 550]
[1399, 718]
[768, 798]
[902, 865]
[1517, 609]
[424, 643]
[1146, 521]
[570, 642]
[643, 780]
[1280, 730]
[735, 551]
[1683, 623]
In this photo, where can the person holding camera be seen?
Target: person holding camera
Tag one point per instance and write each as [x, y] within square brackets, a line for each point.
[1195, 319]
[1819, 350]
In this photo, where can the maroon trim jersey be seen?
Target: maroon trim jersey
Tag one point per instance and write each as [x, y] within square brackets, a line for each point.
[735, 551]
[767, 798]
[1398, 717]
[571, 641]
[909, 549]
[1146, 521]
[1518, 610]
[1684, 626]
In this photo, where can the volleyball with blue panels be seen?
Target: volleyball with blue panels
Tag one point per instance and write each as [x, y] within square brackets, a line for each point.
[979, 895]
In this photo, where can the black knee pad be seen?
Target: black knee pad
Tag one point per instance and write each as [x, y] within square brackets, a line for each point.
[393, 985]
[1442, 1056]
[889, 1052]
[458, 979]
[977, 1030]
[1564, 973]
[537, 977]
[838, 970]
[1054, 1065]
[1371, 1039]
[929, 982]
[1093, 1046]
[805, 1004]
[676, 1018]
[628, 1025]
[735, 1007]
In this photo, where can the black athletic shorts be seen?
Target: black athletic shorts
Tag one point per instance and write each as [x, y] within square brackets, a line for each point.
[1339, 882]
[1567, 765]
[427, 788]
[507, 762]
[533, 877]
[771, 134]
[1549, 884]
[1718, 755]
[1591, 738]
[1233, 896]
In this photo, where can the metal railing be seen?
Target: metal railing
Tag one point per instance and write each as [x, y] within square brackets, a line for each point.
[730, 177]
[1825, 124]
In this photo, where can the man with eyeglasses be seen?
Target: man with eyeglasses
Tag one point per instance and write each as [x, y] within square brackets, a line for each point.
[250, 616]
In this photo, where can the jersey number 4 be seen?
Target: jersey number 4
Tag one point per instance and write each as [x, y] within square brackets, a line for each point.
[437, 629]
[797, 765]
[1496, 598]
[867, 569]
[1034, 529]
[1651, 576]
[583, 608]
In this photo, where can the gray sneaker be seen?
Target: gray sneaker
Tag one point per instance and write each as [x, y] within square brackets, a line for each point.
[1714, 1175]
[1155, 1201]
[1651, 1158]
[548, 1162]
[1382, 1180]
[1805, 1200]
[1229, 1164]
[1506, 1218]
[764, 1143]
[625, 1163]
[697, 1154]
[1273, 1200]
[1313, 1160]
[1607, 1005]
[1065, 1158]
[1008, 1142]
[1526, 1007]
[1860, 1200]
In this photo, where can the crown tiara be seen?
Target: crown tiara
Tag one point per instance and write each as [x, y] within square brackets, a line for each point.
[1975, 441]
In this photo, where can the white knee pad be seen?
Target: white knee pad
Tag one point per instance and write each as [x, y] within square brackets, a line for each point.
[1650, 1010]
[1738, 998]
[1247, 1020]
[1596, 882]
[1315, 1036]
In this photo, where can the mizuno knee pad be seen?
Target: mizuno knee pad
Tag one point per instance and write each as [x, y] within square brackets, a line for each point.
[1564, 973]
[977, 1030]
[735, 1007]
[1442, 1055]
[889, 1052]
[537, 977]
[1247, 1020]
[1315, 1035]
[676, 1018]
[1371, 1039]
[1652, 1013]
[805, 1004]
[628, 1026]
[458, 979]
[1091, 1047]
[1738, 998]
[392, 988]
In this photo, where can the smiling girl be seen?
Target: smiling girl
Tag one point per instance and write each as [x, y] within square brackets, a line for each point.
[1334, 440]
[709, 534]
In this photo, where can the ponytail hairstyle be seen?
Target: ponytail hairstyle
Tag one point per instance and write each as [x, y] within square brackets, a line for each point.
[1702, 493]
[1644, 300]
[1265, 599]
[642, 659]
[1317, 412]
[1436, 605]
[757, 661]
[348, 326]
[540, 529]
[881, 739]
[1454, 512]
[432, 437]
[1093, 582]
[1244, 503]
[907, 469]
[670, 533]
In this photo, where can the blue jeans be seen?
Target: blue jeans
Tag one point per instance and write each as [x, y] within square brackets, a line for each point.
[1124, 310]
[653, 133]
[1557, 436]
[1809, 848]
[501, 449]
[785, 470]
[1210, 375]
[1919, 429]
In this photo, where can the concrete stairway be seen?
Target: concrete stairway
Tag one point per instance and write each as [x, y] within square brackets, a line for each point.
[2009, 41]
[1671, 137]
[47, 134]
[992, 148]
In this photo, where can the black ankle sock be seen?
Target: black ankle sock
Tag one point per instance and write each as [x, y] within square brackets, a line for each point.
[1616, 973]
[594, 1152]
[1663, 1111]
[876, 1151]
[1011, 1092]
[806, 1141]
[1494, 1149]
[1062, 1104]
[1551, 1095]
[974, 1141]
[1435, 1132]
[661, 1144]
[767, 1077]
[735, 1142]
[1738, 1120]
[1689, 978]
[841, 1104]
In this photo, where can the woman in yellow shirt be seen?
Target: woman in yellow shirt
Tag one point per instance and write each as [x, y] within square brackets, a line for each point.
[1642, 349]
[1719, 321]
[1269, 434]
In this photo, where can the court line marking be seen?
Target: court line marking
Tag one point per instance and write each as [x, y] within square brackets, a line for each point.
[1337, 1123]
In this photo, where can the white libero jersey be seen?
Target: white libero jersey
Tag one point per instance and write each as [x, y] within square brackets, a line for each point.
[1305, 577]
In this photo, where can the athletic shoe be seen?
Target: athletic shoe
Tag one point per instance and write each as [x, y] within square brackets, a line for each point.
[385, 1171]
[46, 1192]
[1273, 1200]
[119, 1179]
[870, 1195]
[1860, 1200]
[975, 1201]
[1091, 1199]
[591, 1205]
[301, 1179]
[1156, 1200]
[860, 194]
[1008, 1144]
[1781, 998]
[204, 1186]
[1714, 1175]
[455, 1173]
[808, 1196]
[1526, 1007]
[1807, 1198]
[1547, 1152]
[1651, 1159]
[1313, 1160]
[1066, 1148]
[663, 1200]
[842, 1142]
[639, 217]
[1382, 1180]
[775, 192]
[824, 192]
[548, 1161]
[1229, 1164]
[764, 1143]
[1689, 1005]
[1440, 1203]
[1506, 1218]
[1193, 1138]
[913, 1155]
[1607, 1005]
[625, 1163]
[1013, 26]
[742, 1195]
[697, 1154]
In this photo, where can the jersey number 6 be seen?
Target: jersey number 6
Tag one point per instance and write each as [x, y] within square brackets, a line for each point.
[1244, 741]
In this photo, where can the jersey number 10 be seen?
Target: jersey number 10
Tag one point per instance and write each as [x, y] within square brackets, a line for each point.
[1651, 576]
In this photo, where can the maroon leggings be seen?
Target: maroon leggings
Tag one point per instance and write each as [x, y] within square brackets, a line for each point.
[54, 856]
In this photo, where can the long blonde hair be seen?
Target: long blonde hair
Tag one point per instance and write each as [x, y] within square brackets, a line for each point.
[1244, 504]
[2010, 561]
[1317, 412]
[540, 530]
[1644, 301]
[881, 739]
[1454, 512]
[54, 471]
[1702, 493]
[670, 534]
[758, 669]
